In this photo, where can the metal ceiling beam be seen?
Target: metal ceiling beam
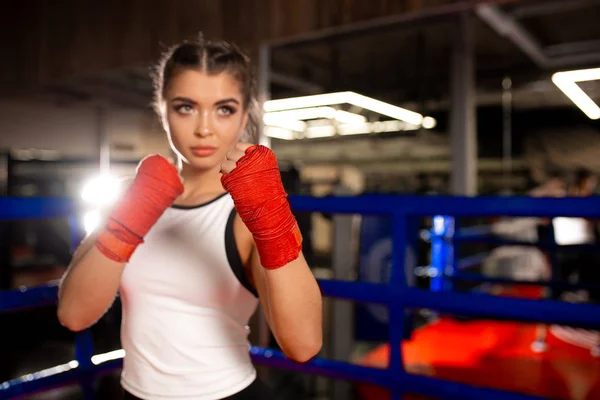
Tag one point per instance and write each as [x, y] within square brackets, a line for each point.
[568, 49]
[550, 7]
[575, 60]
[297, 84]
[507, 26]
[428, 15]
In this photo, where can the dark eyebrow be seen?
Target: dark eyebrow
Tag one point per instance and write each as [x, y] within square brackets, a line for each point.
[225, 101]
[192, 102]
[184, 100]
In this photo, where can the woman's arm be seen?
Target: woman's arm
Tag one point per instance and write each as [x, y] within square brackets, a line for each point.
[291, 300]
[92, 280]
[88, 287]
[90, 284]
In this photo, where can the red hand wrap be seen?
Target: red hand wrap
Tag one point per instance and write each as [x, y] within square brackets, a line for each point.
[154, 189]
[260, 200]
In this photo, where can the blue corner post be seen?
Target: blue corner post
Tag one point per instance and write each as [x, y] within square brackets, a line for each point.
[552, 248]
[84, 350]
[398, 283]
[442, 253]
[413, 247]
[84, 346]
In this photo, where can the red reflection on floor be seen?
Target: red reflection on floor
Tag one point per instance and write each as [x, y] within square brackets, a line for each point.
[494, 355]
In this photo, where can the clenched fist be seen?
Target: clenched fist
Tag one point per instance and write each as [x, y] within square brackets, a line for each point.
[234, 156]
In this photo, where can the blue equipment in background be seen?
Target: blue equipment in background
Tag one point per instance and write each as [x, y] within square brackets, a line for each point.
[375, 264]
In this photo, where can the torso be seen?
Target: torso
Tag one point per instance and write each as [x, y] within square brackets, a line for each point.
[186, 306]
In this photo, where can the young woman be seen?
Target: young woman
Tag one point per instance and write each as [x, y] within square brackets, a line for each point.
[193, 248]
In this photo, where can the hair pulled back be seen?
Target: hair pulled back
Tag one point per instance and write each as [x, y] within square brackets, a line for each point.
[212, 58]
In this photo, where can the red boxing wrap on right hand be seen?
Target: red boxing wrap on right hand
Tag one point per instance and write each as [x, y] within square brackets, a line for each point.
[153, 190]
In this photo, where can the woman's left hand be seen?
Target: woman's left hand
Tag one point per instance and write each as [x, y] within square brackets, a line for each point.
[287, 288]
[233, 156]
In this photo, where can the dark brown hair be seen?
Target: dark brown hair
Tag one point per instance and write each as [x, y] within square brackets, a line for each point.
[212, 58]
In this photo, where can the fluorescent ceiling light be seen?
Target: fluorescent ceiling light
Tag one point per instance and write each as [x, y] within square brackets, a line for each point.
[349, 118]
[567, 82]
[280, 121]
[313, 116]
[279, 133]
[429, 123]
[581, 75]
[278, 118]
[352, 98]
[320, 131]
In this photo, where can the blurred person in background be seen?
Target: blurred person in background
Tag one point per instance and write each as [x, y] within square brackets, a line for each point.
[193, 247]
[555, 186]
[575, 266]
[576, 231]
[523, 262]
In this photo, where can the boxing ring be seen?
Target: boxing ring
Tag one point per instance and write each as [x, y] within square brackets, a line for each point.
[396, 294]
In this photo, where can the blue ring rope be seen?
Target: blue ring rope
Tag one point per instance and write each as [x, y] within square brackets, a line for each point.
[396, 294]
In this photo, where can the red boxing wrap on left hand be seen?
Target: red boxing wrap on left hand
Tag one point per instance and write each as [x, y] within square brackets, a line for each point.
[260, 200]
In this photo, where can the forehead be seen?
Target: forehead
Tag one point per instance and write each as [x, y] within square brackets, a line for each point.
[202, 87]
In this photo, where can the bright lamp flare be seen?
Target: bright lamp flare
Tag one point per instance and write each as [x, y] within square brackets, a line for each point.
[101, 191]
[91, 221]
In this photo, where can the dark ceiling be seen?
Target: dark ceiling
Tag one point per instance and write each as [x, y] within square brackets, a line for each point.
[408, 63]
[411, 62]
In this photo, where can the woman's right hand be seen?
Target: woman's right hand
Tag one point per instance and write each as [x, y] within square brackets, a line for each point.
[156, 186]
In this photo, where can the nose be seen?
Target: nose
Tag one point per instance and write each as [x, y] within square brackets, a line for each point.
[203, 127]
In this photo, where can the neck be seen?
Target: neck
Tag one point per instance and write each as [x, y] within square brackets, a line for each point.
[199, 185]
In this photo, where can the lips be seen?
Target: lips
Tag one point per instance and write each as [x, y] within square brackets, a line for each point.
[203, 151]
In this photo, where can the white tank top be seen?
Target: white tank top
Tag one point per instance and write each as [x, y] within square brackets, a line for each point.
[186, 306]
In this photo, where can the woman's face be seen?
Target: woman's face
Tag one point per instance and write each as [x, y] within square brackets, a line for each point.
[204, 115]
